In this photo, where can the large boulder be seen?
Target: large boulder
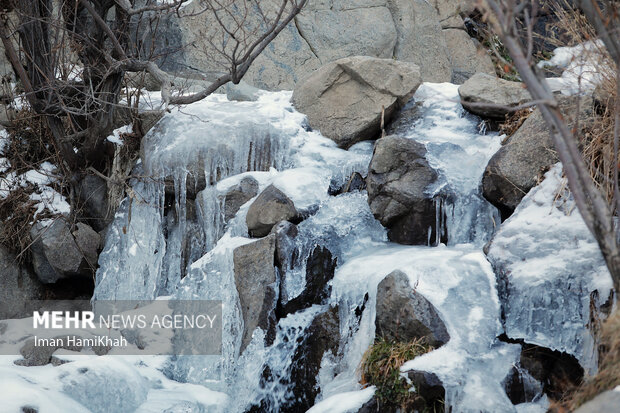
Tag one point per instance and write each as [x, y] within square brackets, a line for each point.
[269, 208]
[405, 30]
[238, 195]
[398, 177]
[525, 156]
[467, 57]
[451, 12]
[405, 315]
[19, 286]
[255, 278]
[344, 99]
[491, 97]
[59, 252]
[420, 39]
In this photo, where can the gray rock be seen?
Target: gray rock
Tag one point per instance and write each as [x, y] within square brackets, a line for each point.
[238, 195]
[19, 286]
[269, 208]
[41, 355]
[280, 65]
[404, 315]
[520, 163]
[59, 253]
[325, 31]
[608, 401]
[255, 278]
[451, 12]
[420, 39]
[404, 120]
[398, 176]
[93, 198]
[343, 99]
[486, 91]
[328, 28]
[241, 92]
[356, 182]
[467, 57]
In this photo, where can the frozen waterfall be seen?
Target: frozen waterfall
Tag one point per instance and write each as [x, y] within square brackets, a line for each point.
[169, 238]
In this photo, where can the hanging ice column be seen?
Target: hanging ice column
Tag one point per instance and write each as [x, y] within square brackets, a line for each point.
[189, 150]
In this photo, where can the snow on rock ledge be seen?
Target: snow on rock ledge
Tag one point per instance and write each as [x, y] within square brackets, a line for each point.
[549, 271]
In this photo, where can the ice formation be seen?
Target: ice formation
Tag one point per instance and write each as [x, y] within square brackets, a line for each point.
[551, 272]
[184, 250]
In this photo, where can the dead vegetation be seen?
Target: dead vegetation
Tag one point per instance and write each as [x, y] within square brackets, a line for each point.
[26, 147]
[514, 121]
[381, 367]
[597, 139]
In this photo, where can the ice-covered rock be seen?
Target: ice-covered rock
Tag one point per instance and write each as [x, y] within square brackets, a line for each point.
[130, 265]
[321, 336]
[550, 272]
[320, 268]
[461, 285]
[181, 143]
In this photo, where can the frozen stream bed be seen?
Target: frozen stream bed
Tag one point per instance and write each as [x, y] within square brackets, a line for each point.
[268, 140]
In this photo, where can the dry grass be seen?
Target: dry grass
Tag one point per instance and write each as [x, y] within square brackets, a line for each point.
[514, 121]
[596, 137]
[28, 144]
[17, 212]
[27, 148]
[381, 367]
